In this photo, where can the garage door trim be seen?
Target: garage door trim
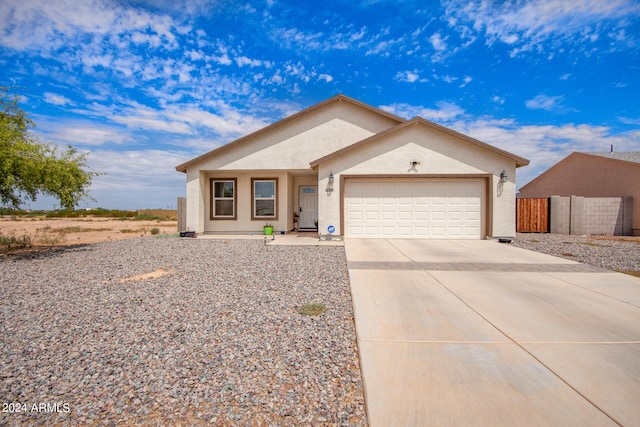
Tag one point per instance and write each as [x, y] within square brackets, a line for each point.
[486, 178]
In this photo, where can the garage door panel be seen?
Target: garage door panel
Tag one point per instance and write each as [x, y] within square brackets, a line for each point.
[405, 215]
[388, 231]
[418, 208]
[389, 215]
[405, 230]
[438, 232]
[455, 215]
[438, 215]
[371, 215]
[472, 216]
[372, 230]
[355, 215]
[421, 215]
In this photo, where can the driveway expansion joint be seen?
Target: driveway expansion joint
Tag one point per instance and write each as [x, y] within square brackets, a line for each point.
[464, 266]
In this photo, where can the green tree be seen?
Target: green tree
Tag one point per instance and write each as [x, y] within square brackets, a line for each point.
[29, 167]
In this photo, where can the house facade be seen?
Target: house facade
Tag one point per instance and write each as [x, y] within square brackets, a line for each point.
[602, 174]
[344, 168]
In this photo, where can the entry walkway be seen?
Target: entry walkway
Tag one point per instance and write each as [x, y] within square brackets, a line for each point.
[482, 333]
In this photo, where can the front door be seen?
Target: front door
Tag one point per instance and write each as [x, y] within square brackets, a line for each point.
[308, 209]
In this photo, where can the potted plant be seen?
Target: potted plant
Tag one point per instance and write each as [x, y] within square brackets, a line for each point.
[268, 229]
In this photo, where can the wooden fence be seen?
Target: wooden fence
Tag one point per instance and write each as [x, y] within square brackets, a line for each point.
[532, 215]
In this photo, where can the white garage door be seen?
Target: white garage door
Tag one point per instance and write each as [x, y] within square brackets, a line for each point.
[423, 209]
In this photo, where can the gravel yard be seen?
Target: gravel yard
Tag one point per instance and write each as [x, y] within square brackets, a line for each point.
[609, 253]
[213, 337]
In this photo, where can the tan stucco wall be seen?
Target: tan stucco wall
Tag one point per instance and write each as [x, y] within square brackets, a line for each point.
[438, 153]
[586, 175]
[244, 223]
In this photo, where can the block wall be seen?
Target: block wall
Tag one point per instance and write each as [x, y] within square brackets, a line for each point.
[609, 216]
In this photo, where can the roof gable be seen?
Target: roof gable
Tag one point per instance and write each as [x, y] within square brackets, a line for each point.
[419, 121]
[584, 174]
[248, 139]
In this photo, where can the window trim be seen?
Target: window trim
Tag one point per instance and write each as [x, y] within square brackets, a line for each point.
[274, 217]
[212, 215]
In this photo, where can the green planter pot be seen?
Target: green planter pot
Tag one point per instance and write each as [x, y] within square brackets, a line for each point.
[268, 231]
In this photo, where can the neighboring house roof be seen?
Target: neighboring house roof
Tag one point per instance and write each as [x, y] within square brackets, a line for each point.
[597, 161]
[627, 156]
[338, 98]
[520, 161]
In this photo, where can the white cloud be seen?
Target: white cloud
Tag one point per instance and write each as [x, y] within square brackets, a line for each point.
[47, 26]
[55, 99]
[526, 25]
[326, 77]
[437, 42]
[545, 102]
[409, 76]
[243, 60]
[629, 121]
[81, 132]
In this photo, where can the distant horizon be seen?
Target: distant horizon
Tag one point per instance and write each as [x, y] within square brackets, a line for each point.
[144, 86]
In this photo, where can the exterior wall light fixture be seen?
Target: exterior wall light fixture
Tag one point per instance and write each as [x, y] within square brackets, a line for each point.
[503, 176]
[330, 184]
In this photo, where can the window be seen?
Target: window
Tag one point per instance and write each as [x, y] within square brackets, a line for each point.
[223, 198]
[264, 194]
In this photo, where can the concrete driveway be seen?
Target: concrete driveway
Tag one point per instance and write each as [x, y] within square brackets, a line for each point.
[482, 333]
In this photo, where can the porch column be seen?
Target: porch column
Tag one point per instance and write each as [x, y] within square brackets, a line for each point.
[196, 209]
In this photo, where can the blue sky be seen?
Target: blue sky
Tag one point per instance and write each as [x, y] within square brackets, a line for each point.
[145, 85]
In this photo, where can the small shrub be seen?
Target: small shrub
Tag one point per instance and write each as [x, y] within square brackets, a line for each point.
[77, 229]
[51, 239]
[155, 231]
[147, 217]
[11, 242]
[128, 230]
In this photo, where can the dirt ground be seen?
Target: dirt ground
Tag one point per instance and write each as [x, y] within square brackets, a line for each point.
[73, 231]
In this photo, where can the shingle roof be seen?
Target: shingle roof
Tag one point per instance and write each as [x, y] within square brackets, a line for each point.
[627, 156]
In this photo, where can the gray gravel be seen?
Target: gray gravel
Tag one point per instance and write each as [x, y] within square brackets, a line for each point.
[218, 341]
[609, 253]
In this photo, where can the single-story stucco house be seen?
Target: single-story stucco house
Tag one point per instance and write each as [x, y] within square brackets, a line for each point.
[596, 174]
[344, 168]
